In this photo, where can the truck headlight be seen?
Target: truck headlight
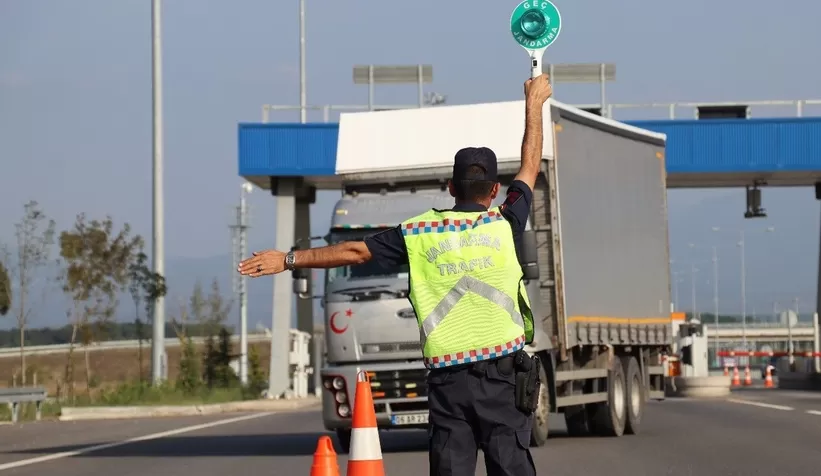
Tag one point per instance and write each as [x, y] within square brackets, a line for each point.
[344, 411]
[338, 383]
[340, 397]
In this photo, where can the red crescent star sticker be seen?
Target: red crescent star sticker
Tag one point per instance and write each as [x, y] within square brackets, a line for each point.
[348, 313]
[332, 324]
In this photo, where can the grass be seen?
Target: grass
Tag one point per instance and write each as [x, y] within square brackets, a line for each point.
[115, 381]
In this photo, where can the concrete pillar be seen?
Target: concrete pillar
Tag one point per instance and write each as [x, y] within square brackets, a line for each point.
[279, 377]
[818, 283]
[304, 307]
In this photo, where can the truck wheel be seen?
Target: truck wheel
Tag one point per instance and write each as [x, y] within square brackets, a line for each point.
[538, 434]
[344, 437]
[634, 391]
[611, 416]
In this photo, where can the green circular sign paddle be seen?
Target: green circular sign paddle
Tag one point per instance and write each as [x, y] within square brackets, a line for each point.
[535, 24]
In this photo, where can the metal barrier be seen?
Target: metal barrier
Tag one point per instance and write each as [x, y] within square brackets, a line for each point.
[13, 397]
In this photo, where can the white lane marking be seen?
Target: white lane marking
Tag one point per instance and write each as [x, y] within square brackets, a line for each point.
[814, 412]
[105, 446]
[761, 404]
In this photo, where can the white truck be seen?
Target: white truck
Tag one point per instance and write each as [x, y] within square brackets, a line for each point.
[595, 259]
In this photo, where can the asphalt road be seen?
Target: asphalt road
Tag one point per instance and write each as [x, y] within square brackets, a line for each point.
[757, 432]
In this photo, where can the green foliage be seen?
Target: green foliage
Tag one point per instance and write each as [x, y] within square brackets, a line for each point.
[145, 287]
[5, 290]
[188, 379]
[217, 359]
[98, 263]
[144, 393]
[209, 357]
[35, 237]
[256, 376]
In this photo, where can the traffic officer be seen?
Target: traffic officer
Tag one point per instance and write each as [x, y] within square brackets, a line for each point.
[466, 289]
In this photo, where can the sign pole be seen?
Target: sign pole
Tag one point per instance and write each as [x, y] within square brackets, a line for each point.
[535, 25]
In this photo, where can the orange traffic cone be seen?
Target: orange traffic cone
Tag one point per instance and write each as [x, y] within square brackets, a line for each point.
[365, 455]
[748, 379]
[736, 379]
[726, 371]
[768, 379]
[325, 458]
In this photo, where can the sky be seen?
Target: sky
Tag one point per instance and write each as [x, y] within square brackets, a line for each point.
[75, 99]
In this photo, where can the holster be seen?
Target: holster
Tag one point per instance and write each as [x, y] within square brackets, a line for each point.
[528, 382]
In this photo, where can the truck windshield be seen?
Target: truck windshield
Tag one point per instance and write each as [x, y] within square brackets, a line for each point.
[368, 270]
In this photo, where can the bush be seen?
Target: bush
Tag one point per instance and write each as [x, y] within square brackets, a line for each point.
[188, 379]
[256, 377]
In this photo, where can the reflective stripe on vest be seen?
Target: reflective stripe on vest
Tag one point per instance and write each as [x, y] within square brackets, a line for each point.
[462, 287]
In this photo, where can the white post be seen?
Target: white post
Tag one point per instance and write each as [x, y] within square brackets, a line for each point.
[715, 299]
[243, 296]
[303, 98]
[743, 291]
[816, 341]
[158, 251]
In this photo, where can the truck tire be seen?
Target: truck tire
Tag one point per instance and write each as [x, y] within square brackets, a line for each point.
[538, 433]
[635, 395]
[610, 416]
[344, 437]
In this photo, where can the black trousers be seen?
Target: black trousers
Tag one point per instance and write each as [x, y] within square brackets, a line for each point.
[471, 407]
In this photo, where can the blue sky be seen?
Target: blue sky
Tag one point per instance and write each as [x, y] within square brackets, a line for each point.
[75, 98]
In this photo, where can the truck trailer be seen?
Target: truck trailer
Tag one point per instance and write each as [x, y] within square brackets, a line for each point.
[595, 260]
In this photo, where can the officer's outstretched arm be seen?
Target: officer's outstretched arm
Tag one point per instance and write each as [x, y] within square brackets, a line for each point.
[340, 254]
[537, 92]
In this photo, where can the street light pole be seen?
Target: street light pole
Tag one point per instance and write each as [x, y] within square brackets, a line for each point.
[675, 290]
[303, 97]
[743, 291]
[158, 252]
[693, 276]
[715, 295]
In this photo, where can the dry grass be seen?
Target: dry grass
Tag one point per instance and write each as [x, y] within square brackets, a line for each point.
[108, 367]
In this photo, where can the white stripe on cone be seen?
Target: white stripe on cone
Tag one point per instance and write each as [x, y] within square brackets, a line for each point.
[365, 445]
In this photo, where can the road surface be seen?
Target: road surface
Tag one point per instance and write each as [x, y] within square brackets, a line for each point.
[756, 432]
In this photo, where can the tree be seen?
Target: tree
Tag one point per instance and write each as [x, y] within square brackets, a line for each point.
[217, 310]
[97, 265]
[5, 284]
[188, 378]
[35, 237]
[145, 287]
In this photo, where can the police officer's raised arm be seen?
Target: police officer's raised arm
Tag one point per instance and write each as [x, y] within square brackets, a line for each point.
[537, 92]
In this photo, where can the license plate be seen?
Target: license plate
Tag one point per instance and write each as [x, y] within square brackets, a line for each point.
[410, 419]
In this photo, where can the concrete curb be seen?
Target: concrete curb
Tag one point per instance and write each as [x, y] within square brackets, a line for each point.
[145, 411]
[699, 387]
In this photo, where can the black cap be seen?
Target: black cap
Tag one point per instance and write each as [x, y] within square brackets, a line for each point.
[479, 156]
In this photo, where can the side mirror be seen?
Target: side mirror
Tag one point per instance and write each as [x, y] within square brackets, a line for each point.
[529, 258]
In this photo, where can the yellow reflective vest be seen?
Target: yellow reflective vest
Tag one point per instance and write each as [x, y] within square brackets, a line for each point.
[466, 287]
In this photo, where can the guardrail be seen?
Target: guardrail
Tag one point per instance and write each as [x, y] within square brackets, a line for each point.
[109, 345]
[758, 325]
[15, 396]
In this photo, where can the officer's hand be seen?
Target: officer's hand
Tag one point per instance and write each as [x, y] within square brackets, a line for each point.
[538, 89]
[263, 263]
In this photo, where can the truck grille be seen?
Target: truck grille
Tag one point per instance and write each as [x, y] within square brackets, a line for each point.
[398, 384]
[391, 347]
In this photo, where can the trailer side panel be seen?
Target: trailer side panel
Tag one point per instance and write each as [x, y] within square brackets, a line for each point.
[613, 218]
